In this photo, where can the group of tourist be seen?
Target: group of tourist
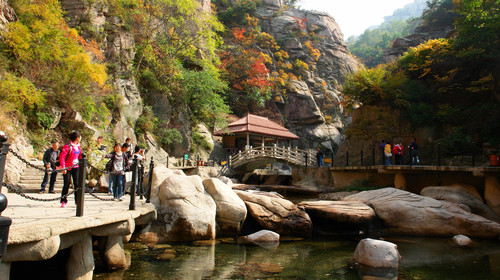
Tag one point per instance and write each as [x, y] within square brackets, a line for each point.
[68, 157]
[388, 150]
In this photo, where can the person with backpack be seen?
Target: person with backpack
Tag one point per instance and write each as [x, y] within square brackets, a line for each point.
[50, 159]
[117, 164]
[69, 157]
[398, 154]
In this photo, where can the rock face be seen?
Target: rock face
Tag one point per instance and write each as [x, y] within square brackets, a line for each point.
[421, 34]
[405, 213]
[460, 195]
[231, 210]
[185, 211]
[310, 108]
[6, 14]
[277, 214]
[377, 253]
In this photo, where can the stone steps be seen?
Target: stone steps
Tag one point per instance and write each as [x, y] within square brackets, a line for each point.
[31, 179]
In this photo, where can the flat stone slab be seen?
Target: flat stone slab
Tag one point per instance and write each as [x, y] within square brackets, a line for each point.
[340, 211]
[38, 220]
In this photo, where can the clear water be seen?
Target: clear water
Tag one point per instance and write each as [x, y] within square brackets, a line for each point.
[423, 258]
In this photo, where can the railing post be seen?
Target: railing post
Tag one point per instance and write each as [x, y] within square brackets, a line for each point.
[135, 166]
[439, 154]
[362, 158]
[473, 154]
[150, 181]
[140, 182]
[168, 158]
[5, 222]
[347, 158]
[373, 156]
[307, 158]
[3, 157]
[80, 188]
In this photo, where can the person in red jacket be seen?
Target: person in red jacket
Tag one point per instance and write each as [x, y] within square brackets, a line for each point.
[69, 157]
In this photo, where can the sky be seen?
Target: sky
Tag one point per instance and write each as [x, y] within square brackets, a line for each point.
[355, 16]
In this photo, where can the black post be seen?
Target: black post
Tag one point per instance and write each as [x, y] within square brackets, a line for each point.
[439, 154]
[80, 189]
[5, 222]
[150, 181]
[3, 157]
[362, 163]
[307, 158]
[135, 168]
[373, 156]
[347, 158]
[140, 182]
[473, 154]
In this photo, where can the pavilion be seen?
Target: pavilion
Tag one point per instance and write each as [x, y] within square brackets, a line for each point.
[253, 130]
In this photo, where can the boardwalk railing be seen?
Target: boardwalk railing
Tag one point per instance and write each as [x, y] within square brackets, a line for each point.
[432, 155]
[293, 156]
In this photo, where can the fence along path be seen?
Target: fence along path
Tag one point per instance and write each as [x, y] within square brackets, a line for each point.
[136, 187]
[293, 156]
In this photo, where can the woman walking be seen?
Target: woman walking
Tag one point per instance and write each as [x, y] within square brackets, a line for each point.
[118, 165]
[69, 157]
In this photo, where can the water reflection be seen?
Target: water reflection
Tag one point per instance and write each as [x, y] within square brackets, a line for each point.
[308, 259]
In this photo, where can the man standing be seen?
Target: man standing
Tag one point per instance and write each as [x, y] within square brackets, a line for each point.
[50, 158]
[319, 158]
[381, 149]
[413, 152]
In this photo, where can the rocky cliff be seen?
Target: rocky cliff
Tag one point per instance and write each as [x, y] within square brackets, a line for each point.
[312, 110]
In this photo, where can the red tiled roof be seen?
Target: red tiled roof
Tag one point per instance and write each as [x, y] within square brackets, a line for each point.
[258, 125]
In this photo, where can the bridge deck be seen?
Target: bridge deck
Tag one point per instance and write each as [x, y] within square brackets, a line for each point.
[37, 220]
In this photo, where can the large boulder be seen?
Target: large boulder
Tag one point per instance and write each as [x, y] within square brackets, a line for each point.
[277, 214]
[160, 174]
[231, 210]
[403, 212]
[339, 211]
[461, 195]
[186, 211]
[339, 217]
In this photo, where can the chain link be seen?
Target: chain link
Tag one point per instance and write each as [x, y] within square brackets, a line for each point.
[15, 189]
[91, 192]
[38, 167]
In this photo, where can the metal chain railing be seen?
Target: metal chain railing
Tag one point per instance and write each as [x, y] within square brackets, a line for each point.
[91, 192]
[15, 189]
[38, 167]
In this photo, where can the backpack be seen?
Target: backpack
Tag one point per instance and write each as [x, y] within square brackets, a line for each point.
[109, 164]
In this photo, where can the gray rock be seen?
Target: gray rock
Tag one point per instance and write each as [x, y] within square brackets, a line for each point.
[186, 212]
[277, 214]
[403, 212]
[231, 210]
[461, 195]
[340, 211]
[377, 253]
[462, 240]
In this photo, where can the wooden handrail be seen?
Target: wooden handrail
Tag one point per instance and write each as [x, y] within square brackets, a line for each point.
[294, 156]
